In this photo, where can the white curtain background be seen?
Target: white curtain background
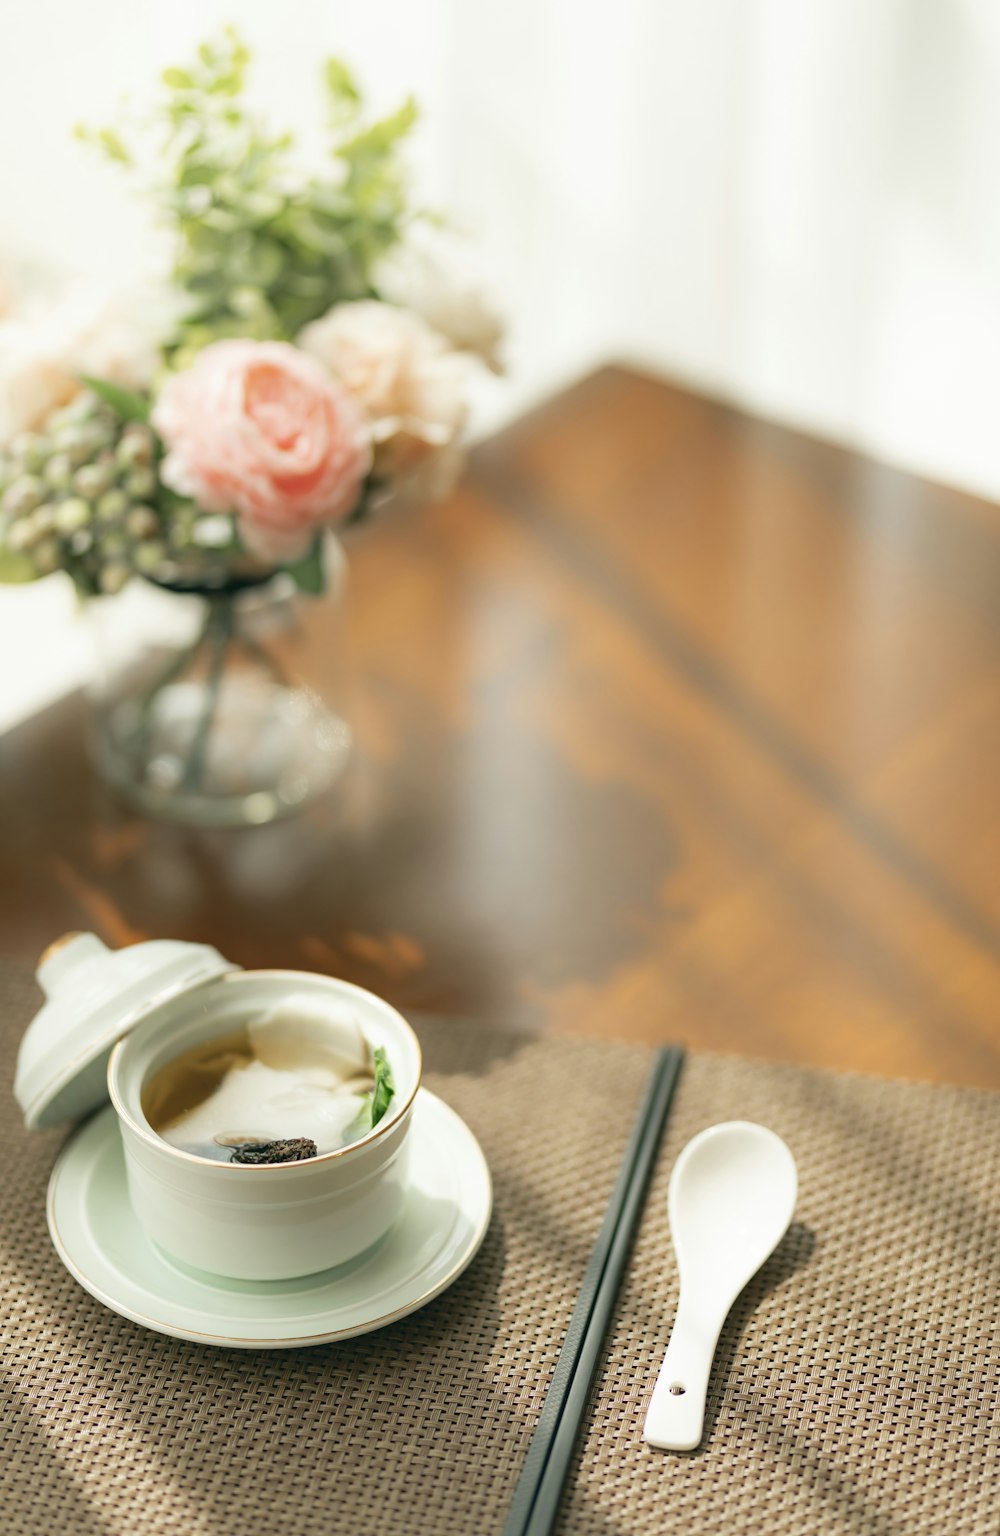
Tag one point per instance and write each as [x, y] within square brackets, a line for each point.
[792, 205]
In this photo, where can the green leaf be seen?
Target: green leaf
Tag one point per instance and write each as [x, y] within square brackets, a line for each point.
[385, 1087]
[312, 235]
[240, 51]
[178, 79]
[383, 136]
[128, 406]
[113, 146]
[374, 1104]
[309, 573]
[340, 82]
[330, 199]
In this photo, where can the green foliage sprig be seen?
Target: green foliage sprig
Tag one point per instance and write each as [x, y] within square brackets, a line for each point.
[262, 248]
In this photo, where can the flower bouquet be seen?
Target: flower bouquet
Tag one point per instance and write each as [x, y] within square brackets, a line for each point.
[309, 358]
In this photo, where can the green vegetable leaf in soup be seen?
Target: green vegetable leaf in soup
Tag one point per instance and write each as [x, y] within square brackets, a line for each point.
[376, 1101]
[384, 1086]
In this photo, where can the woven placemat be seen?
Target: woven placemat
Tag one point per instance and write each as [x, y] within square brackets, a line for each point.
[856, 1387]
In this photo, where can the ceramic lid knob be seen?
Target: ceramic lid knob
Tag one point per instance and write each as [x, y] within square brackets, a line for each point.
[64, 959]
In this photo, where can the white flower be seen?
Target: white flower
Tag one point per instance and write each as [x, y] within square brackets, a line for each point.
[413, 387]
[43, 352]
[431, 275]
[32, 384]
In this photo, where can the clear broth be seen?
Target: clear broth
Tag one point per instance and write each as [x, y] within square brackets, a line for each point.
[189, 1079]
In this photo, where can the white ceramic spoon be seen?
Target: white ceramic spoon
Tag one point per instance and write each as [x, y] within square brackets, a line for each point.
[732, 1197]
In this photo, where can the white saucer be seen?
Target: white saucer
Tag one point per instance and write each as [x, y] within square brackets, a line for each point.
[102, 1245]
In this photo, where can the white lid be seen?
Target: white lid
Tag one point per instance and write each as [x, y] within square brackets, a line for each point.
[94, 996]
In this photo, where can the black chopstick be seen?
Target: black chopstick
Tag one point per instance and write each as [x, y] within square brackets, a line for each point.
[536, 1497]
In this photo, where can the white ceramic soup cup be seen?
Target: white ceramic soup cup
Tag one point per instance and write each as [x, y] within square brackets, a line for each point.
[275, 1221]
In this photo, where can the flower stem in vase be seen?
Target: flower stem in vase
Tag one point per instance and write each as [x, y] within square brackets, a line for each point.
[176, 668]
[260, 654]
[218, 633]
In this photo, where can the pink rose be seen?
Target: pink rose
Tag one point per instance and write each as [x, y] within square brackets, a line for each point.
[261, 430]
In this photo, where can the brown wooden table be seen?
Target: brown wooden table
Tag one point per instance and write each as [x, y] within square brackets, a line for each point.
[672, 724]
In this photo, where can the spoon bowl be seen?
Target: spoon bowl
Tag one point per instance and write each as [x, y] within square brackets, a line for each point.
[732, 1196]
[731, 1199]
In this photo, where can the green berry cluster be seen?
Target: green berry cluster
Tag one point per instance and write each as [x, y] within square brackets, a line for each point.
[82, 495]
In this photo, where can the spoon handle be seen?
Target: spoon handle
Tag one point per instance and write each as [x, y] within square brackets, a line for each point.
[676, 1414]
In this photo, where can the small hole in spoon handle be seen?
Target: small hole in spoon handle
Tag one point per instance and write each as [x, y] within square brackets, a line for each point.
[676, 1414]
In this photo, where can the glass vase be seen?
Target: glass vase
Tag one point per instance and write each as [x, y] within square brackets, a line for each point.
[210, 707]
